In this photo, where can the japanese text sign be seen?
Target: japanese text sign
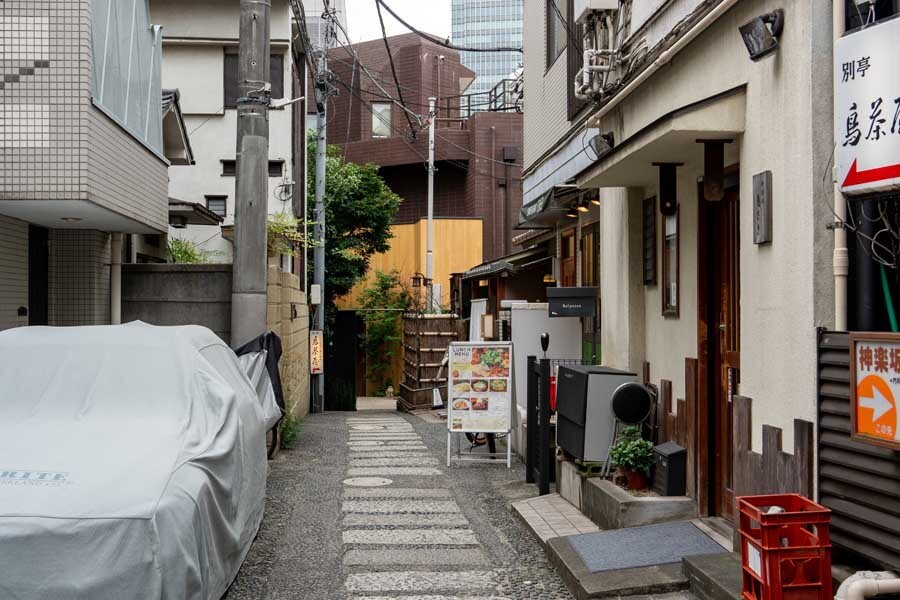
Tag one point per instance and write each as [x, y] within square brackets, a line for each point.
[875, 387]
[867, 109]
[480, 387]
[316, 353]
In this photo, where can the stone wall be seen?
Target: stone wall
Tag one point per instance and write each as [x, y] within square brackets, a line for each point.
[288, 317]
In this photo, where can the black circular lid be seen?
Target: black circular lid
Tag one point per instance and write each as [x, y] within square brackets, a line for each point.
[632, 402]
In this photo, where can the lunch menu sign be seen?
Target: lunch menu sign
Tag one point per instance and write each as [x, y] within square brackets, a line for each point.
[480, 387]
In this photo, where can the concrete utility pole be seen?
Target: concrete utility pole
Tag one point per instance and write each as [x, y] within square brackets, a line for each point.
[322, 92]
[429, 256]
[248, 290]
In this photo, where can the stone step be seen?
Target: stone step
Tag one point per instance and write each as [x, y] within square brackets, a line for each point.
[714, 576]
[410, 537]
[422, 581]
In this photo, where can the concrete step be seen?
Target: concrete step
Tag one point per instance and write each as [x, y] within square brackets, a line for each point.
[714, 576]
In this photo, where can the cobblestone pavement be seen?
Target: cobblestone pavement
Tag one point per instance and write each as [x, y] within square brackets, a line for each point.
[365, 507]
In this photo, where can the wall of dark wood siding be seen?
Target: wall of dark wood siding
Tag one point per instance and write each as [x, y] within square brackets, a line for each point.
[859, 482]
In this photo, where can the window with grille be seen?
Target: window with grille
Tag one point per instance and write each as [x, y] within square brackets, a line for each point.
[217, 204]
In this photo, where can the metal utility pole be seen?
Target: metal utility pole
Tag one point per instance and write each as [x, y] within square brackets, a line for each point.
[248, 291]
[322, 93]
[429, 256]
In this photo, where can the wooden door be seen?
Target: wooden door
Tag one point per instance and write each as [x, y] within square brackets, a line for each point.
[724, 329]
[719, 348]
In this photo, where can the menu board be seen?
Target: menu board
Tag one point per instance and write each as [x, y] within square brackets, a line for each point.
[480, 387]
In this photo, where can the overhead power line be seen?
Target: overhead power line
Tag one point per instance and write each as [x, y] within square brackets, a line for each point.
[440, 42]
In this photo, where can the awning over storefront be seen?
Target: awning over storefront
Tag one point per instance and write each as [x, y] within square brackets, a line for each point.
[544, 211]
[506, 265]
[671, 138]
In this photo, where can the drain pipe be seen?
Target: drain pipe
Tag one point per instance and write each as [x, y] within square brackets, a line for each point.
[666, 56]
[115, 279]
[865, 588]
[841, 257]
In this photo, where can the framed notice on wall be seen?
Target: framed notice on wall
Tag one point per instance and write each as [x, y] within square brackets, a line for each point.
[875, 388]
[480, 387]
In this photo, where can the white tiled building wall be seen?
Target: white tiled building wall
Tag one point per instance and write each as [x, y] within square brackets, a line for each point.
[13, 271]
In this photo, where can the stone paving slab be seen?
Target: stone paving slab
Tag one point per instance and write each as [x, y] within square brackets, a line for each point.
[416, 557]
[385, 436]
[413, 581]
[389, 448]
[399, 492]
[394, 462]
[379, 453]
[370, 471]
[374, 442]
[405, 520]
[430, 598]
[400, 506]
[410, 537]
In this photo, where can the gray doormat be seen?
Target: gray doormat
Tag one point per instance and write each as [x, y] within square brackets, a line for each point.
[641, 546]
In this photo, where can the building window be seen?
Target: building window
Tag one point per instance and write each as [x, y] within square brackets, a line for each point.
[276, 77]
[556, 29]
[649, 239]
[670, 266]
[217, 204]
[589, 237]
[276, 168]
[568, 260]
[860, 13]
[381, 119]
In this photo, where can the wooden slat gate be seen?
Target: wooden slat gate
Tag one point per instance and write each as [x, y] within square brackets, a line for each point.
[859, 482]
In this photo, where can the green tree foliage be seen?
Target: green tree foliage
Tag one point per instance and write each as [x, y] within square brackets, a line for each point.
[186, 251]
[384, 299]
[359, 209]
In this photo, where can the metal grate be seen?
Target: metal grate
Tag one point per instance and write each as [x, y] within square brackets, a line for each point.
[859, 482]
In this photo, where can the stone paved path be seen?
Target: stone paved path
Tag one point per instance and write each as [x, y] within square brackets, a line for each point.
[365, 508]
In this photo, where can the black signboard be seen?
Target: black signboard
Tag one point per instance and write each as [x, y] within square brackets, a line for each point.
[572, 301]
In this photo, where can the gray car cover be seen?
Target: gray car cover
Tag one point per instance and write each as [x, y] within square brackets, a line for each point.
[132, 463]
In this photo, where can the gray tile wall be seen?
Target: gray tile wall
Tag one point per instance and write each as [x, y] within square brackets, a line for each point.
[79, 277]
[13, 271]
[54, 144]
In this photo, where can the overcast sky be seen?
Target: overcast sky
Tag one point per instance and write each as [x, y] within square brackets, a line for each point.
[431, 16]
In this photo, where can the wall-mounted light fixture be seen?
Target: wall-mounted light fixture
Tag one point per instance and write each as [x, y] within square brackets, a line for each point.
[483, 283]
[548, 278]
[583, 207]
[761, 34]
[572, 213]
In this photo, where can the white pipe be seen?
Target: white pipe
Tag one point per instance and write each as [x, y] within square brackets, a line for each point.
[115, 279]
[841, 258]
[864, 588]
[665, 57]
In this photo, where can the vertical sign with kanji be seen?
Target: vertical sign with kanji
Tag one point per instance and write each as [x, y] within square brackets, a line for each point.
[316, 353]
[867, 109]
[875, 387]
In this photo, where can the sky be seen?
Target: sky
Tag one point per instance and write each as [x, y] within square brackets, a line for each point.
[431, 16]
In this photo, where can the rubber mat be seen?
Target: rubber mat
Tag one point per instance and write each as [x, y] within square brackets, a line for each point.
[645, 546]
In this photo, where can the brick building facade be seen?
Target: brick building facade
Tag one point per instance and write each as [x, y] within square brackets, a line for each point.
[478, 159]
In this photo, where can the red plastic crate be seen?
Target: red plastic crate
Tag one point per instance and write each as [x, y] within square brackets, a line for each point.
[785, 555]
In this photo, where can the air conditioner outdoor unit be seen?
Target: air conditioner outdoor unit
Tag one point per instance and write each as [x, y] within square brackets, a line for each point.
[585, 7]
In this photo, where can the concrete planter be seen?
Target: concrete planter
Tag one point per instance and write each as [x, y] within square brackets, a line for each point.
[611, 507]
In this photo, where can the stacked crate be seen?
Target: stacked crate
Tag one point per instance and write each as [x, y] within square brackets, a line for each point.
[426, 339]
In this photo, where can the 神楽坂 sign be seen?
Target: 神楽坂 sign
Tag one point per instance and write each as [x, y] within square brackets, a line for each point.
[875, 387]
[867, 109]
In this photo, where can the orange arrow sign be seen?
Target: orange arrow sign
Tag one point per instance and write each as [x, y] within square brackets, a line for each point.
[876, 410]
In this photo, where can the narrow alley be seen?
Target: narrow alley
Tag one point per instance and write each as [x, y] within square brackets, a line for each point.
[364, 508]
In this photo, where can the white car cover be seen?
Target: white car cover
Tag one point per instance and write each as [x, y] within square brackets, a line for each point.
[132, 463]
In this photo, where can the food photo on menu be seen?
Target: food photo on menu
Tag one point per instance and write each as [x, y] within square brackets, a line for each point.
[460, 404]
[479, 403]
[490, 362]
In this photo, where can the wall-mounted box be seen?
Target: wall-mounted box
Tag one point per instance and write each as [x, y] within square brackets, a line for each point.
[762, 207]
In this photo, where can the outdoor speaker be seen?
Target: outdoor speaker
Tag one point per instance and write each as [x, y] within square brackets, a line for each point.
[670, 470]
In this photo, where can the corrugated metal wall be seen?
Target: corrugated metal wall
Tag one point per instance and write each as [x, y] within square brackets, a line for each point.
[859, 482]
[13, 271]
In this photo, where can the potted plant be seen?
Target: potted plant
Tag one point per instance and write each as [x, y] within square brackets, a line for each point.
[633, 456]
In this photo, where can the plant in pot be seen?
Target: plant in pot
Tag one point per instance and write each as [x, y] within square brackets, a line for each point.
[633, 456]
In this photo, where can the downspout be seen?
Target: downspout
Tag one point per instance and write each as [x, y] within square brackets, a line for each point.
[495, 225]
[115, 279]
[666, 56]
[840, 259]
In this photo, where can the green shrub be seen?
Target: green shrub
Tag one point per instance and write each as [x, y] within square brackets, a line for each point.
[631, 452]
